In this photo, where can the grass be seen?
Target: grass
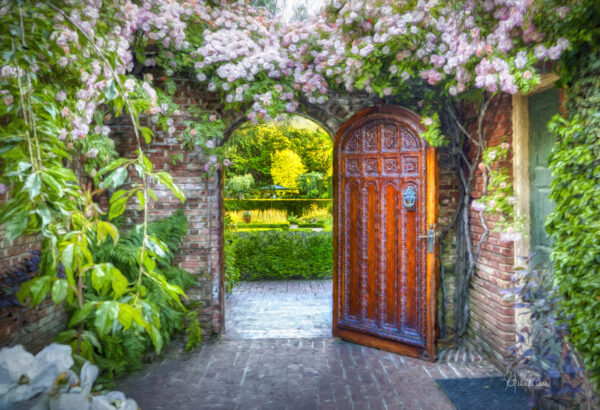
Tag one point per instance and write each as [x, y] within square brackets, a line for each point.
[328, 228]
[316, 213]
[267, 216]
[277, 216]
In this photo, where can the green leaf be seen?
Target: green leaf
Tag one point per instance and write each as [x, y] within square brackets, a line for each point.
[33, 184]
[39, 288]
[111, 92]
[105, 228]
[82, 314]
[113, 165]
[16, 225]
[119, 282]
[141, 200]
[157, 339]
[52, 183]
[106, 315]
[149, 263]
[147, 134]
[117, 207]
[125, 317]
[155, 246]
[166, 179]
[59, 290]
[115, 179]
[67, 256]
[91, 337]
[99, 277]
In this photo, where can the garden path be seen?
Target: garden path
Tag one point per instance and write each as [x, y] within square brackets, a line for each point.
[279, 309]
[266, 370]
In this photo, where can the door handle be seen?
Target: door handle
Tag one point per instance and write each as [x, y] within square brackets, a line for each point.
[430, 239]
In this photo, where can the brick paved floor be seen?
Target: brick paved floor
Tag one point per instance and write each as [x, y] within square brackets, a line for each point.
[320, 373]
[276, 309]
[291, 373]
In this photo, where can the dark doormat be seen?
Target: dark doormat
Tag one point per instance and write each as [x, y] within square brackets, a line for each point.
[485, 393]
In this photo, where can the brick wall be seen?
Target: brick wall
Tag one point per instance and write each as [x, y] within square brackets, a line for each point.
[492, 322]
[201, 251]
[34, 328]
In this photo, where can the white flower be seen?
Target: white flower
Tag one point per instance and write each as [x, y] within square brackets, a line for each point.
[477, 206]
[92, 153]
[129, 84]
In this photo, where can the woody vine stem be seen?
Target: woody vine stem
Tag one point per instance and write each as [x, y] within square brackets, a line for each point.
[466, 254]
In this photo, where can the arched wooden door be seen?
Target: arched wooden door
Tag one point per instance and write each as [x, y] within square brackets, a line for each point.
[385, 211]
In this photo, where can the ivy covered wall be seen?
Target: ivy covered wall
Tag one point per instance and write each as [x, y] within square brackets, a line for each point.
[575, 162]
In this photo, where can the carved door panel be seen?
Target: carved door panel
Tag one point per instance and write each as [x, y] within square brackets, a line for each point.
[385, 179]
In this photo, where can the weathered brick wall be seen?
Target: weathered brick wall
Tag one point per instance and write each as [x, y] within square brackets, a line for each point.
[34, 328]
[492, 322]
[449, 196]
[201, 251]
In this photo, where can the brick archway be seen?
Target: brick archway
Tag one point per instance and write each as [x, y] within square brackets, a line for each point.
[330, 116]
[202, 252]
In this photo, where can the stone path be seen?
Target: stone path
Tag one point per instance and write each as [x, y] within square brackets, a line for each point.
[289, 309]
[304, 372]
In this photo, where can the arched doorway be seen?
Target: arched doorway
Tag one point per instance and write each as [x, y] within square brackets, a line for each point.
[281, 254]
[385, 216]
[385, 207]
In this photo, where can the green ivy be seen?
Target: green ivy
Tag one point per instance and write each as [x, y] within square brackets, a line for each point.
[264, 255]
[575, 162]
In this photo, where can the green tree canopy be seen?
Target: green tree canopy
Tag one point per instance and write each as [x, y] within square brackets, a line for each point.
[251, 148]
[286, 167]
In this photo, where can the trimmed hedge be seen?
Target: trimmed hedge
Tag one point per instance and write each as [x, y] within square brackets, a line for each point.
[292, 206]
[273, 226]
[318, 224]
[263, 255]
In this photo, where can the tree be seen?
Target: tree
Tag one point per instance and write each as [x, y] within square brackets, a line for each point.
[286, 167]
[251, 147]
[238, 185]
[311, 184]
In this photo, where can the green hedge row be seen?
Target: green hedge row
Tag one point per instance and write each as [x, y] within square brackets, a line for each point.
[318, 224]
[263, 255]
[292, 206]
[274, 226]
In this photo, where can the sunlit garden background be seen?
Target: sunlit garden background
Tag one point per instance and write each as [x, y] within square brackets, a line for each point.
[278, 202]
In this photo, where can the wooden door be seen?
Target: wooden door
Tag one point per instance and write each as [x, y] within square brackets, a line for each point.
[542, 108]
[385, 204]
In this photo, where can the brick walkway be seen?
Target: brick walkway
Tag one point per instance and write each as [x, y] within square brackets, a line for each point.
[265, 310]
[291, 373]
